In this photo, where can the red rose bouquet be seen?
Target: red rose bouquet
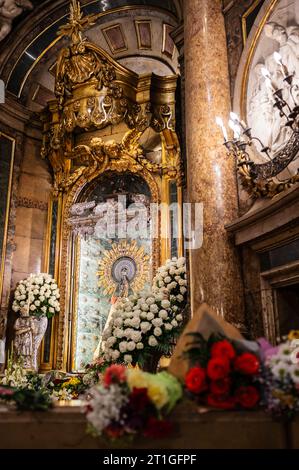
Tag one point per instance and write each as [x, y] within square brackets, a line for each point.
[222, 376]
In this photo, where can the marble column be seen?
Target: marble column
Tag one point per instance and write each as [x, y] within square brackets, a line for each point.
[215, 267]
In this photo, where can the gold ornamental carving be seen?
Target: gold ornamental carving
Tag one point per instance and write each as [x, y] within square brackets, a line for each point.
[94, 92]
[123, 250]
[100, 156]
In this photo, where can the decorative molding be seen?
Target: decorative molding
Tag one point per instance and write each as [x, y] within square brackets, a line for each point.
[144, 34]
[168, 46]
[32, 203]
[115, 38]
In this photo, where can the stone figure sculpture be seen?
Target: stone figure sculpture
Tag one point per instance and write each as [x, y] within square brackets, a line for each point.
[263, 118]
[23, 343]
[29, 332]
[9, 10]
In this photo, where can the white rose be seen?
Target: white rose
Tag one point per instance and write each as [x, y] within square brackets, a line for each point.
[154, 308]
[115, 355]
[163, 314]
[32, 308]
[118, 333]
[179, 318]
[37, 303]
[167, 279]
[168, 326]
[157, 331]
[135, 322]
[52, 310]
[118, 322]
[47, 294]
[22, 303]
[35, 292]
[111, 341]
[145, 326]
[41, 298]
[157, 322]
[131, 346]
[15, 308]
[143, 315]
[128, 359]
[139, 346]
[165, 303]
[136, 336]
[150, 300]
[57, 308]
[180, 298]
[145, 307]
[123, 346]
[53, 286]
[152, 341]
[183, 290]
[150, 316]
[44, 309]
[174, 323]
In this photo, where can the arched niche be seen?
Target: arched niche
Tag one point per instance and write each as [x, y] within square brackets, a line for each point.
[94, 232]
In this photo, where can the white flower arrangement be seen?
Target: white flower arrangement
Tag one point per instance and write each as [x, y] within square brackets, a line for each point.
[148, 322]
[40, 292]
[282, 364]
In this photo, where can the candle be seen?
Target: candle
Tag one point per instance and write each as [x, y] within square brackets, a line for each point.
[269, 84]
[236, 129]
[237, 121]
[278, 60]
[219, 122]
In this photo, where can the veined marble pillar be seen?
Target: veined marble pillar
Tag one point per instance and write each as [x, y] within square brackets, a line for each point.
[215, 268]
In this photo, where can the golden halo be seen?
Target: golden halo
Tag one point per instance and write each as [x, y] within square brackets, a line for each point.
[123, 250]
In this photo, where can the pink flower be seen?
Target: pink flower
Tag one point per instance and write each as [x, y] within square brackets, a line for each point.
[6, 392]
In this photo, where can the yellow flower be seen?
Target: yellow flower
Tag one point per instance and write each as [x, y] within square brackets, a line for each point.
[137, 379]
[294, 334]
[71, 382]
[157, 393]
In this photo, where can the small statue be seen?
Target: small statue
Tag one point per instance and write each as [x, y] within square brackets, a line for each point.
[124, 284]
[23, 343]
[9, 10]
